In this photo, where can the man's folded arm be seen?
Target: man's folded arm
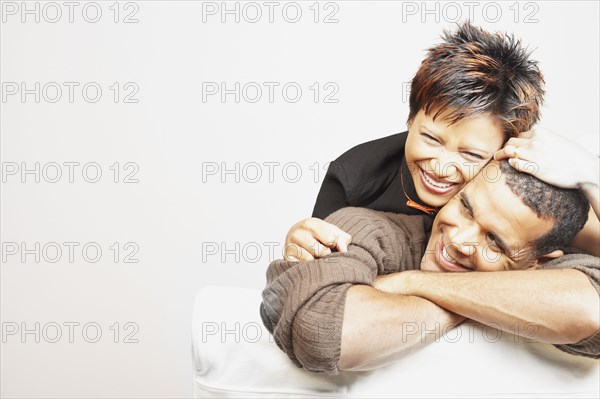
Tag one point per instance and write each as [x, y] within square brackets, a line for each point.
[350, 325]
[590, 267]
[321, 312]
[559, 304]
[379, 326]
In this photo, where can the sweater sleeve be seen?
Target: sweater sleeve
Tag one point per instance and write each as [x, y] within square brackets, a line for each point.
[590, 266]
[303, 302]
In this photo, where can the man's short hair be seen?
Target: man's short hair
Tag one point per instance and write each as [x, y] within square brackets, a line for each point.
[568, 208]
[474, 72]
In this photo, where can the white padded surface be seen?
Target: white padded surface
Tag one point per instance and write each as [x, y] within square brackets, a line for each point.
[235, 356]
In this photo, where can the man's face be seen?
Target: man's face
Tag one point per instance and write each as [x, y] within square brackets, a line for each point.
[442, 158]
[485, 227]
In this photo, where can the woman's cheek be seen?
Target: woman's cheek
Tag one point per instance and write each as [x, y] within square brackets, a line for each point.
[423, 152]
[470, 169]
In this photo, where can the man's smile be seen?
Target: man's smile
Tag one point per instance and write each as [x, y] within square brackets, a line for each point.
[446, 261]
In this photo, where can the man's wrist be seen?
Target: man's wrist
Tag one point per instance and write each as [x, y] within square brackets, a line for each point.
[400, 283]
[417, 282]
[410, 282]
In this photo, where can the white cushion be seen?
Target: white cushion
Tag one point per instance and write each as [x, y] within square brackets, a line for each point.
[235, 356]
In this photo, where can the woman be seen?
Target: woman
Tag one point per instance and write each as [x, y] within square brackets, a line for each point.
[471, 94]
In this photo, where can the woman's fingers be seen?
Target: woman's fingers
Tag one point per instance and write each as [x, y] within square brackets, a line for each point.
[508, 151]
[501, 154]
[527, 135]
[514, 148]
[523, 165]
[551, 158]
[521, 159]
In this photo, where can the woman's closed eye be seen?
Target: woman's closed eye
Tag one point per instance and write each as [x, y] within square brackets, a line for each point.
[429, 138]
[474, 156]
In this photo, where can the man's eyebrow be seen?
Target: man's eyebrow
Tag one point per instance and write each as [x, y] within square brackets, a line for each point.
[465, 199]
[503, 246]
[501, 243]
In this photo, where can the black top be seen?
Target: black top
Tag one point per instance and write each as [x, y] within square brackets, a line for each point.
[368, 176]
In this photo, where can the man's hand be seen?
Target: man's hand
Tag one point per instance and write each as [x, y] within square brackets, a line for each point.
[314, 238]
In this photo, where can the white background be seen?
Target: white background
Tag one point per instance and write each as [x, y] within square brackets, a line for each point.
[180, 217]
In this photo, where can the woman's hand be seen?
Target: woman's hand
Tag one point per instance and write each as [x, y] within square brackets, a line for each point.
[562, 163]
[551, 158]
[314, 238]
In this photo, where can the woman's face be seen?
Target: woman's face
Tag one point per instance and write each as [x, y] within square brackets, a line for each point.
[442, 158]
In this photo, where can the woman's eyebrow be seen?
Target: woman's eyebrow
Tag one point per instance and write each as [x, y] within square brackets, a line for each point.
[480, 147]
[430, 130]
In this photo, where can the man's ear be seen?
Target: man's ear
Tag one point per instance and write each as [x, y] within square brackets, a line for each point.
[549, 256]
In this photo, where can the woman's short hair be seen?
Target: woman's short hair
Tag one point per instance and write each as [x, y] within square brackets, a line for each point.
[474, 72]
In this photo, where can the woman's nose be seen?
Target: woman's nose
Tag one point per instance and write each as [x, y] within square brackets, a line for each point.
[447, 166]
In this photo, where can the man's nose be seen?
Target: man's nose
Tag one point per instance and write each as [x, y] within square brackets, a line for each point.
[464, 239]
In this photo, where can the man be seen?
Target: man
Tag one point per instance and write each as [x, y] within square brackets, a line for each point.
[334, 313]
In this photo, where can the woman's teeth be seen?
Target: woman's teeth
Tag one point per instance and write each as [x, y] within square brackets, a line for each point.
[436, 183]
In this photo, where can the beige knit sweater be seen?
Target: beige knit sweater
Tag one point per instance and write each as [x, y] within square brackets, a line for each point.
[303, 302]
